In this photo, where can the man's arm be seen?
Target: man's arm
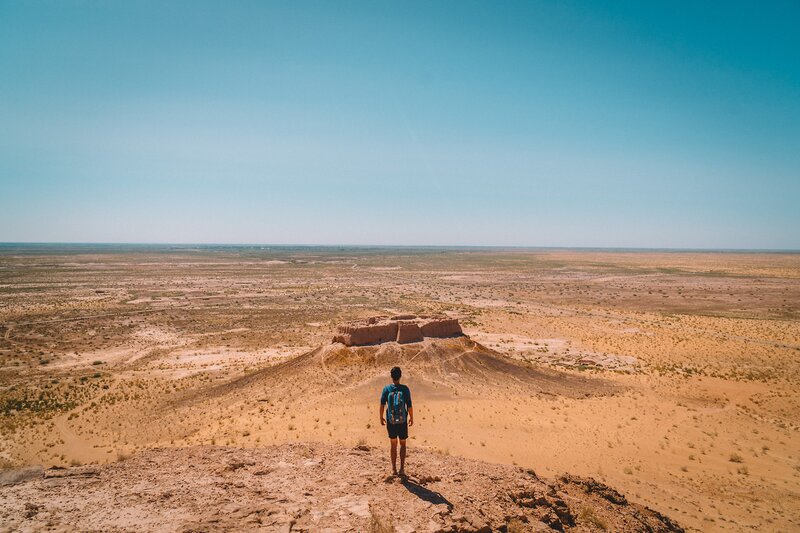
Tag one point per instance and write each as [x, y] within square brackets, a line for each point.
[409, 407]
[383, 420]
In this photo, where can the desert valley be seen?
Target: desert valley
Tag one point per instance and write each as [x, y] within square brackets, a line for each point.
[670, 376]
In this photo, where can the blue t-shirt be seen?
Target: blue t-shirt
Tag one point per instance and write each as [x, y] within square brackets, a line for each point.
[392, 387]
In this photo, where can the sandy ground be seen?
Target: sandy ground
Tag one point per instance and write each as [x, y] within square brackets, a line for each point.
[672, 377]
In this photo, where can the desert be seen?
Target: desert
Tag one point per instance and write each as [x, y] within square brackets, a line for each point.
[669, 378]
[399, 267]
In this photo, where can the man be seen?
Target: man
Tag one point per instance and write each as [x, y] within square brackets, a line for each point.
[396, 401]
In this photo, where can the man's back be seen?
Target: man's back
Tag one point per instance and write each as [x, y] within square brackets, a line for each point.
[396, 400]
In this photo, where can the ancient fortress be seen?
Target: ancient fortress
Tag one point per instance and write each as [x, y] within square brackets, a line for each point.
[400, 328]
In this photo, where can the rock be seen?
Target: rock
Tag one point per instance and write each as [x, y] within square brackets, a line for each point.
[236, 465]
[591, 486]
[81, 471]
[32, 509]
[563, 511]
[188, 489]
[13, 476]
[358, 505]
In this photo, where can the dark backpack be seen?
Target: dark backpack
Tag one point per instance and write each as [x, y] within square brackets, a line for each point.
[396, 411]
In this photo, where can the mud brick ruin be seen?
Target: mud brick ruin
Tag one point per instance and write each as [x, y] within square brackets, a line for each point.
[400, 328]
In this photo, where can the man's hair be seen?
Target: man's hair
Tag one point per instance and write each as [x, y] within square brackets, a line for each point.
[396, 373]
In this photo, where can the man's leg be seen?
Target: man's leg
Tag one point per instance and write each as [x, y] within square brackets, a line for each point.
[402, 456]
[394, 455]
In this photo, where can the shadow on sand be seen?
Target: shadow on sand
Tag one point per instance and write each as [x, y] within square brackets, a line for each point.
[424, 493]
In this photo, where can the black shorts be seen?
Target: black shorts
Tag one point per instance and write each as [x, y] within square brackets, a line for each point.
[397, 430]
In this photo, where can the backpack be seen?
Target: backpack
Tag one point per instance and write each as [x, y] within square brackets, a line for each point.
[396, 411]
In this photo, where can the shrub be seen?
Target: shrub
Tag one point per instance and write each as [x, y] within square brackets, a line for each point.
[378, 525]
[515, 526]
[587, 515]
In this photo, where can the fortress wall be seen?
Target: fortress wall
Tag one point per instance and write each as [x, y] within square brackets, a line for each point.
[344, 338]
[373, 334]
[445, 327]
[400, 328]
[408, 332]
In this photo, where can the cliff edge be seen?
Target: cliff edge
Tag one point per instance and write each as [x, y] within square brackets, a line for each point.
[311, 487]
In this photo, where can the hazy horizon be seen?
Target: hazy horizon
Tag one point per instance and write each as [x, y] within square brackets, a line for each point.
[361, 246]
[571, 125]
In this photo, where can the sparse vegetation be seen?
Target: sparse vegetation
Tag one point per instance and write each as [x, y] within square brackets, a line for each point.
[515, 526]
[166, 333]
[378, 524]
[588, 515]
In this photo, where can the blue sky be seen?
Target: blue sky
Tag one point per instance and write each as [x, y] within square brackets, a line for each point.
[642, 124]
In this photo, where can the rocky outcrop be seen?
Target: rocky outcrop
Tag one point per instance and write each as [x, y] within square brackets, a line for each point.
[314, 487]
[399, 328]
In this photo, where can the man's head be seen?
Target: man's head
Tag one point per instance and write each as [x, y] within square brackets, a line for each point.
[396, 373]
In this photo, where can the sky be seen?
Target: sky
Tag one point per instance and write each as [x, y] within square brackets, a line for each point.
[599, 124]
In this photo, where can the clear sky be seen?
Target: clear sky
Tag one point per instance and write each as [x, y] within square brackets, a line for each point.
[642, 124]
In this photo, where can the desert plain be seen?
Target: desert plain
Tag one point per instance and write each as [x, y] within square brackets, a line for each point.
[671, 376]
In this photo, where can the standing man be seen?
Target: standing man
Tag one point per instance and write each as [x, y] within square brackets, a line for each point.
[396, 400]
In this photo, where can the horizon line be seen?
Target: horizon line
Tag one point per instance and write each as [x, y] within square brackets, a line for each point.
[410, 246]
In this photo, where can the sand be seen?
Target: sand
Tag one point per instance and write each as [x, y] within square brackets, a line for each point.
[671, 377]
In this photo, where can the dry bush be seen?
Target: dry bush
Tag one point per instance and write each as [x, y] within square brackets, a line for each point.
[587, 515]
[515, 526]
[378, 524]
